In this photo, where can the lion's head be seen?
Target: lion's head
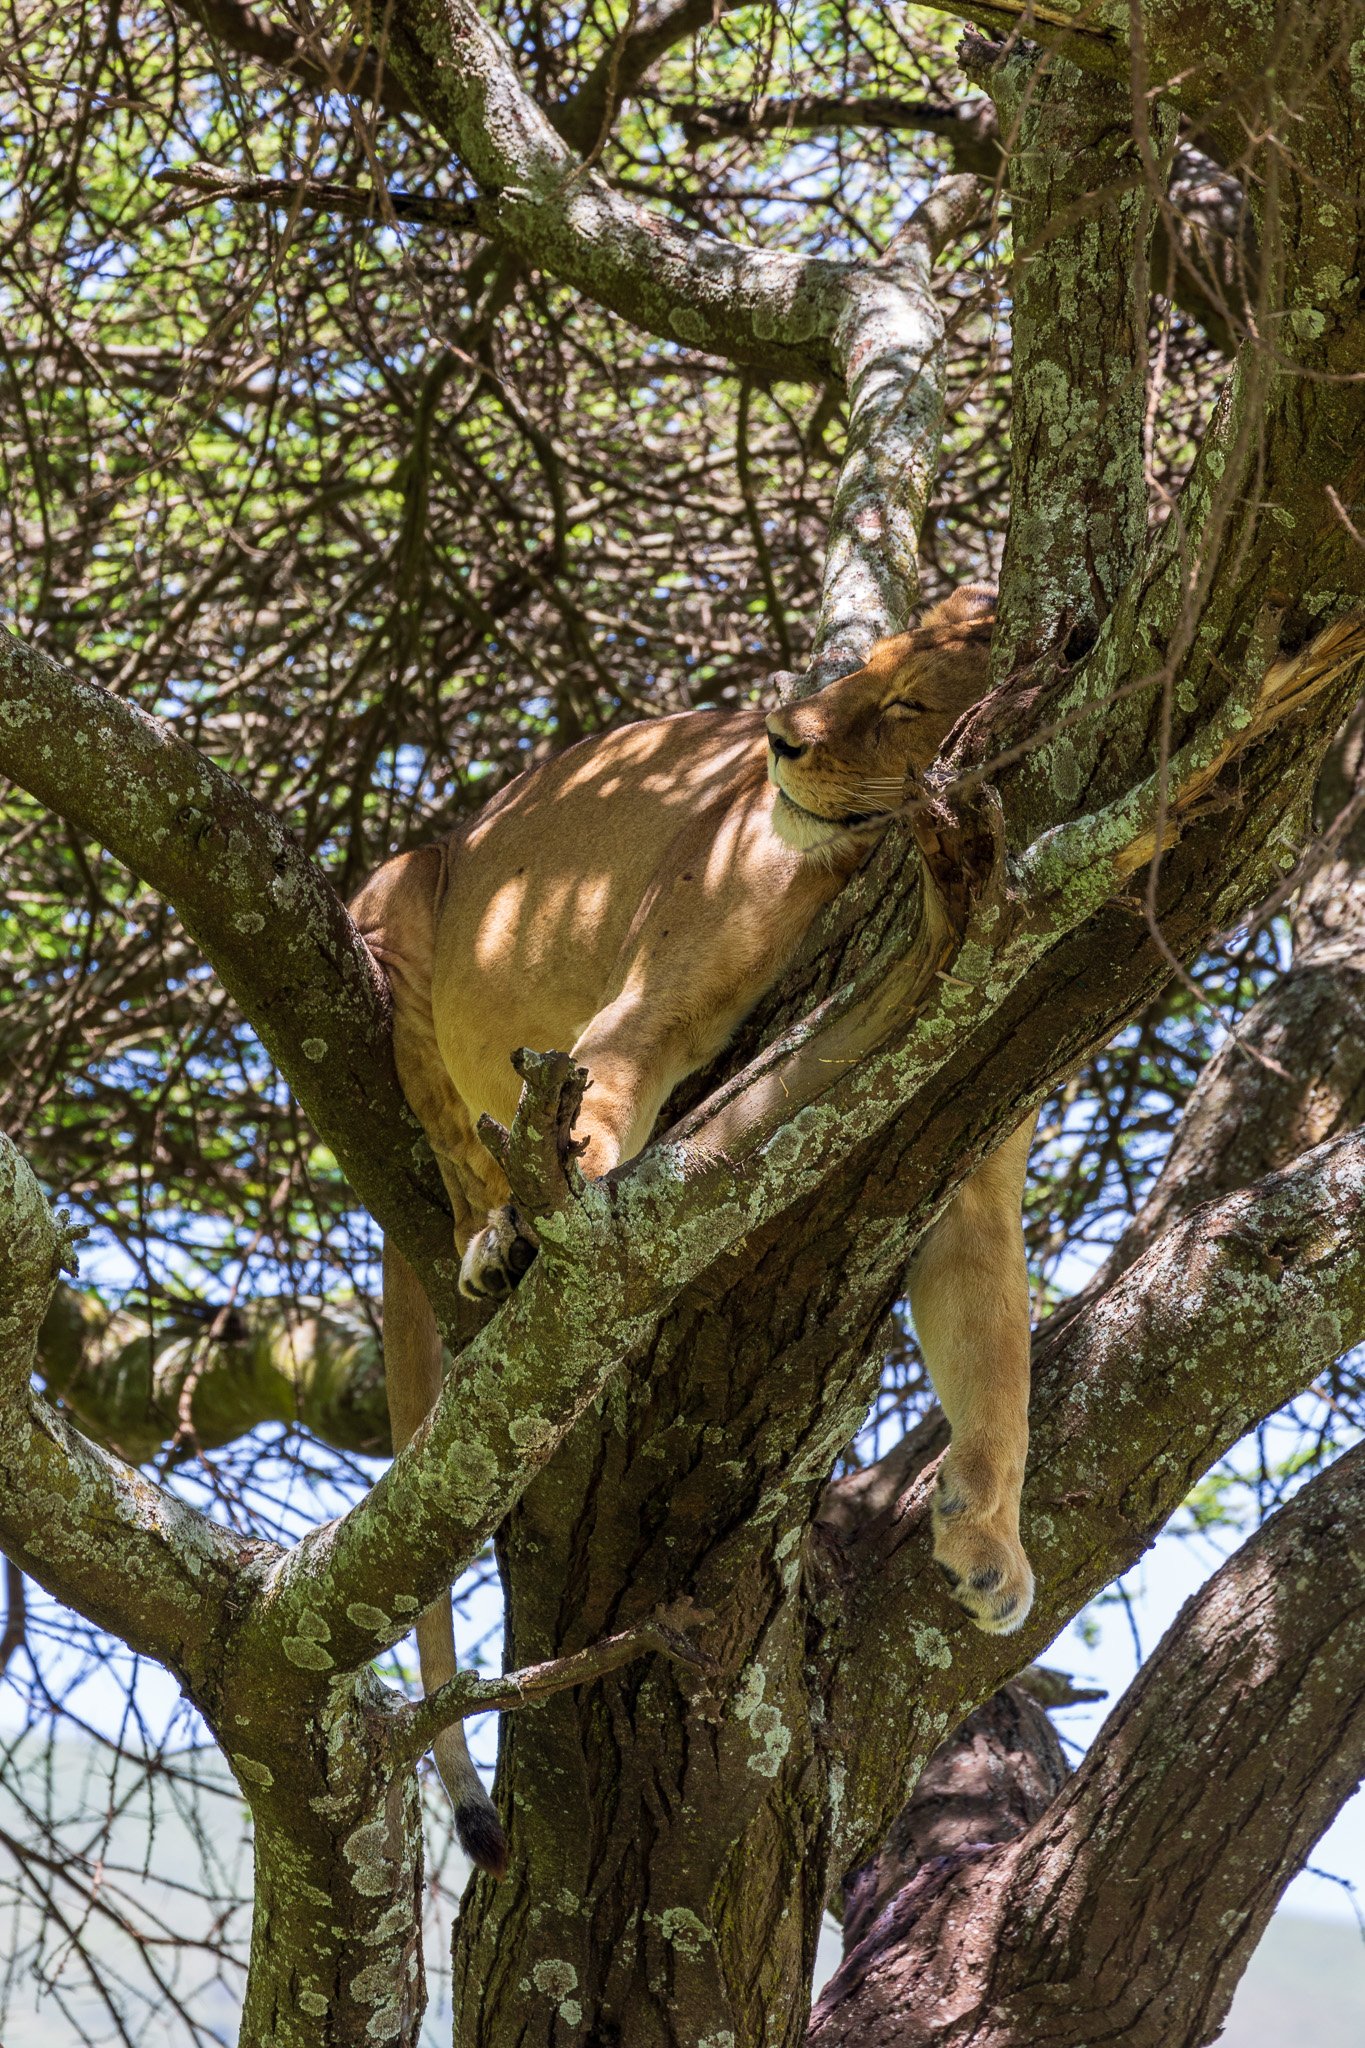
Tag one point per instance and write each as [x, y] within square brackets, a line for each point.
[844, 759]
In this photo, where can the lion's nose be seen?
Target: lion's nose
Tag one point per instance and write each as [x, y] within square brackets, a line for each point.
[785, 749]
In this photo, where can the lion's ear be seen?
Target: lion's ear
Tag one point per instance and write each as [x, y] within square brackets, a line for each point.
[971, 604]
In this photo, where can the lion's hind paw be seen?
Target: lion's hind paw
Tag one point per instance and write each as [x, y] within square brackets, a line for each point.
[984, 1567]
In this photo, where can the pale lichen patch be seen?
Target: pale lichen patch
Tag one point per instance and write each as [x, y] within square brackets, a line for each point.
[681, 1927]
[307, 1654]
[931, 1646]
[366, 1850]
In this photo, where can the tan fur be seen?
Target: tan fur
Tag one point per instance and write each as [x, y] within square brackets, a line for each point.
[630, 901]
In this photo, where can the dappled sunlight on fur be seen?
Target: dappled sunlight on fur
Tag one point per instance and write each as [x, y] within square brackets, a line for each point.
[629, 902]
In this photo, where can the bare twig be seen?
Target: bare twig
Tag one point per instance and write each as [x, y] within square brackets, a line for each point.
[664, 1634]
[205, 183]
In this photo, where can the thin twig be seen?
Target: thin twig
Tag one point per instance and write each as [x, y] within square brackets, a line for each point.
[465, 1694]
[204, 183]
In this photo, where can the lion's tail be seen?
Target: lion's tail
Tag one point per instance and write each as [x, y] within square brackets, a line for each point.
[412, 1376]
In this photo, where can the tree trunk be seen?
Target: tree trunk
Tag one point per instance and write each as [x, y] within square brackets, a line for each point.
[336, 1935]
[642, 1809]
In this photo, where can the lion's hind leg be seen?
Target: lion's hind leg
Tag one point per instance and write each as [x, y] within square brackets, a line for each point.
[969, 1298]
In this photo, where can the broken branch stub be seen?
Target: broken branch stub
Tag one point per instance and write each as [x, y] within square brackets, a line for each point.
[538, 1154]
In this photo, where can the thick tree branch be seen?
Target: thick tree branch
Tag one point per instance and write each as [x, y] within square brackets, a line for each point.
[1292, 1073]
[763, 308]
[1082, 215]
[1201, 252]
[890, 349]
[1210, 1782]
[261, 911]
[994, 1776]
[94, 1532]
[359, 71]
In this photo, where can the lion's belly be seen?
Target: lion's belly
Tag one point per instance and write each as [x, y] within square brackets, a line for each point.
[543, 891]
[636, 878]
[480, 1024]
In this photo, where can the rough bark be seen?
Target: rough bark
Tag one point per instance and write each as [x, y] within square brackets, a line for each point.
[1130, 1909]
[97, 1533]
[993, 1777]
[1082, 174]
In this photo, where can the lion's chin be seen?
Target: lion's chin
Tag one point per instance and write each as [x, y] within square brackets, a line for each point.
[802, 829]
[808, 832]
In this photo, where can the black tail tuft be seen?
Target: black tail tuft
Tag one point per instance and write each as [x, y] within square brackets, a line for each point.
[481, 1835]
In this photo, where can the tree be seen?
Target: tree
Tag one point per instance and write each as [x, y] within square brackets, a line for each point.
[341, 524]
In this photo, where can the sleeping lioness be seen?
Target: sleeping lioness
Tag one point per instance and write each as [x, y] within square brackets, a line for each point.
[630, 901]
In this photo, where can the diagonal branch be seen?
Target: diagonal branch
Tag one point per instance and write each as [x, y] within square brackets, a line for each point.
[261, 911]
[1210, 1782]
[766, 309]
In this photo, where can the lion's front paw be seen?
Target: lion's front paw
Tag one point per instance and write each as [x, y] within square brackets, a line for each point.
[981, 1558]
[495, 1258]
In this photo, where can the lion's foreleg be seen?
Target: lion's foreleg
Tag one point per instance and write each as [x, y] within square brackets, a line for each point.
[970, 1301]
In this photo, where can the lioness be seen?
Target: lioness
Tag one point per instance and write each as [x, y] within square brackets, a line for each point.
[631, 900]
